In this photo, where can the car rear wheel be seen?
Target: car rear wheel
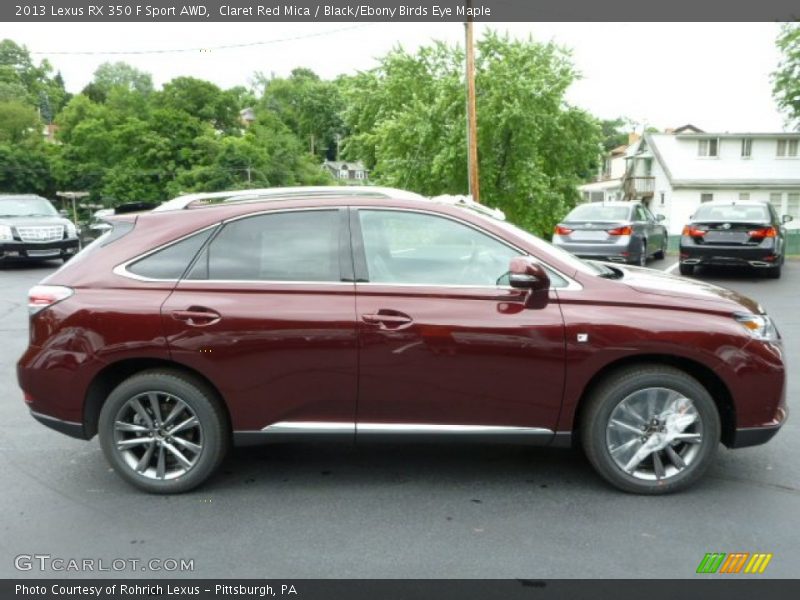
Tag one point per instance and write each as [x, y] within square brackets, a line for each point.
[641, 258]
[686, 270]
[661, 254]
[650, 430]
[163, 431]
[774, 272]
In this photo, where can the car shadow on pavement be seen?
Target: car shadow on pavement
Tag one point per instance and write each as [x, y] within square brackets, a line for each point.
[381, 464]
[29, 265]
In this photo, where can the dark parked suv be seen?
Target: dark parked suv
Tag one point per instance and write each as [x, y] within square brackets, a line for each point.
[30, 228]
[363, 318]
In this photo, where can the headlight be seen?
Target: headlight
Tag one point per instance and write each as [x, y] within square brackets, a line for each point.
[760, 327]
[5, 233]
[72, 231]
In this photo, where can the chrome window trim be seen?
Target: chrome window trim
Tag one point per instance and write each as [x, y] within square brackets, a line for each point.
[572, 285]
[122, 268]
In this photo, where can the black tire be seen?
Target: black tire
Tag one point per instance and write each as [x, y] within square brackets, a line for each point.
[686, 270]
[204, 404]
[661, 254]
[640, 259]
[623, 384]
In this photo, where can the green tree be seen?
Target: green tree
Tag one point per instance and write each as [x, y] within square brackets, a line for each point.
[30, 83]
[786, 79]
[18, 122]
[27, 169]
[407, 121]
[109, 76]
[308, 105]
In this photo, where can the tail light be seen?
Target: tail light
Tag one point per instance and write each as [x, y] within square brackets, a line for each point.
[561, 230]
[43, 296]
[693, 231]
[624, 230]
[764, 232]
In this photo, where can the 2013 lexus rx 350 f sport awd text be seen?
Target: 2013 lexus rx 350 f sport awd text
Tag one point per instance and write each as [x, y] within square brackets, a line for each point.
[267, 316]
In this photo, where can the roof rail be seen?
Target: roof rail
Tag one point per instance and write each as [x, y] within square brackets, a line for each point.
[279, 193]
[468, 202]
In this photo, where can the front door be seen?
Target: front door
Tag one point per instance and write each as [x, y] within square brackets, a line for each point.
[445, 347]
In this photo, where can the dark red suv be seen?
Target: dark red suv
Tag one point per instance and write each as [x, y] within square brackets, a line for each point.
[277, 316]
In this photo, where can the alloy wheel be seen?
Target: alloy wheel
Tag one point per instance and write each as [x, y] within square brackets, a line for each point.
[654, 434]
[158, 435]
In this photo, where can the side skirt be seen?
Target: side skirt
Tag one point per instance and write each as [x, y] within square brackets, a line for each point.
[286, 431]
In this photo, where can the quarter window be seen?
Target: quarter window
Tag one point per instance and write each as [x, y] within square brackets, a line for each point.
[289, 246]
[414, 248]
[170, 262]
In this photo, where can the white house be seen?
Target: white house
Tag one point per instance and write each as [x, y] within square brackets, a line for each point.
[346, 170]
[607, 186]
[675, 172]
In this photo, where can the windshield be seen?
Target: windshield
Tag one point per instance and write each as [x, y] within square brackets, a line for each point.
[568, 258]
[732, 212]
[26, 206]
[598, 212]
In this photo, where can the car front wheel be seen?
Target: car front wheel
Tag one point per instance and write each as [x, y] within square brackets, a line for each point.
[163, 431]
[650, 429]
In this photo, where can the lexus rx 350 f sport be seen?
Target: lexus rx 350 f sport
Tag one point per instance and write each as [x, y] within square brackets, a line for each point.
[180, 332]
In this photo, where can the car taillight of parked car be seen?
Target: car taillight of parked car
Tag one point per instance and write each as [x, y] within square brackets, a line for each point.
[624, 230]
[561, 230]
[764, 232]
[43, 296]
[693, 231]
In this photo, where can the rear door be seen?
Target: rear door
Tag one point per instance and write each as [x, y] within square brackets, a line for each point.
[446, 347]
[267, 313]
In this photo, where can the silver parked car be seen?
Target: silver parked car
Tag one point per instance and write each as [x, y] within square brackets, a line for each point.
[613, 231]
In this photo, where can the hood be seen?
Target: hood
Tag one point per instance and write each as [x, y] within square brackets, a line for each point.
[658, 283]
[34, 221]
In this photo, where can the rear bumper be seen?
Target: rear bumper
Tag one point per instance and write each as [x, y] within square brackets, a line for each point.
[758, 256]
[755, 436]
[15, 250]
[618, 251]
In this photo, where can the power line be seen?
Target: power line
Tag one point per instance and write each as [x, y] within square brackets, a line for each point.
[200, 49]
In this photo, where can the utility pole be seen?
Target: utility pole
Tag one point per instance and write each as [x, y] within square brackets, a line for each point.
[472, 118]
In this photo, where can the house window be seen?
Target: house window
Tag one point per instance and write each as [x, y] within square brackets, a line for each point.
[708, 148]
[747, 148]
[787, 148]
[776, 199]
[706, 197]
[342, 173]
[793, 204]
[744, 195]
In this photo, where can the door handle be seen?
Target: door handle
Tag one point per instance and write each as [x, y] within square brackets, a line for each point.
[388, 319]
[197, 316]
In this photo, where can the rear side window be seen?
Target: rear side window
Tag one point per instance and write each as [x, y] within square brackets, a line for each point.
[170, 262]
[289, 246]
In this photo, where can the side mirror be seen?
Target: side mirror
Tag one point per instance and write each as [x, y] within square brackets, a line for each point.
[787, 218]
[660, 218]
[525, 273]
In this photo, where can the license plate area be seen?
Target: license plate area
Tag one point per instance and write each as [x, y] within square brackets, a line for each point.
[43, 253]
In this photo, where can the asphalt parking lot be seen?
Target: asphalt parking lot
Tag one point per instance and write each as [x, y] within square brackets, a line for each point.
[395, 511]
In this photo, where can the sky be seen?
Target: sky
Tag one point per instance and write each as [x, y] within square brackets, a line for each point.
[713, 75]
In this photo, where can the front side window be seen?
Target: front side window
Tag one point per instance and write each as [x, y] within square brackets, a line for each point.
[290, 246]
[415, 248]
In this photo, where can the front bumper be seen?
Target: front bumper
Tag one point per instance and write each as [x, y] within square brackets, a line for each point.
[16, 250]
[755, 436]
